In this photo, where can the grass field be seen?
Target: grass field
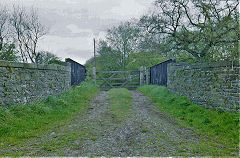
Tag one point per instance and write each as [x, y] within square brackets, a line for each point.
[219, 125]
[21, 122]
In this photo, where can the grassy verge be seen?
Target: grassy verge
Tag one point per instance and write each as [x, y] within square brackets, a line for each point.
[218, 125]
[21, 122]
[120, 103]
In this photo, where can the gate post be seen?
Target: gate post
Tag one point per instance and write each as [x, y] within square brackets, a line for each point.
[141, 76]
[147, 76]
[94, 75]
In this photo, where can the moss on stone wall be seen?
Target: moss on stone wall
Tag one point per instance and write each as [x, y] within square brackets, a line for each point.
[210, 85]
[22, 83]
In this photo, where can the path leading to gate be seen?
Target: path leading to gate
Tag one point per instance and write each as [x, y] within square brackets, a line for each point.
[147, 132]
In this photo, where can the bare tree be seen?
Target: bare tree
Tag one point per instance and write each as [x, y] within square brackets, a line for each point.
[28, 30]
[4, 17]
[17, 20]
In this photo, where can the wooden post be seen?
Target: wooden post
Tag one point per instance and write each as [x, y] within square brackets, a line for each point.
[141, 76]
[94, 75]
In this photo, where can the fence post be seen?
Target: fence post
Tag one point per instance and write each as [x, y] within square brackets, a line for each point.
[141, 76]
[94, 75]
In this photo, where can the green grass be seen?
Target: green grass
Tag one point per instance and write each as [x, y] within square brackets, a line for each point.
[21, 122]
[218, 125]
[120, 103]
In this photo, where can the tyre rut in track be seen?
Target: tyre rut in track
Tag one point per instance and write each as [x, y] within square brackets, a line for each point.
[145, 133]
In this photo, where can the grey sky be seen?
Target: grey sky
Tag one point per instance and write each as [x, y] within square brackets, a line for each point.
[74, 23]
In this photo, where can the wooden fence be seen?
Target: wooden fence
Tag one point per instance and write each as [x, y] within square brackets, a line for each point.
[158, 73]
[121, 79]
[78, 72]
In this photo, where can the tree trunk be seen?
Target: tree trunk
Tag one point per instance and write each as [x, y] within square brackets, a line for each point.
[1, 43]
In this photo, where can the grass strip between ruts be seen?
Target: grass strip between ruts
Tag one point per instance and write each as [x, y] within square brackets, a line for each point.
[120, 103]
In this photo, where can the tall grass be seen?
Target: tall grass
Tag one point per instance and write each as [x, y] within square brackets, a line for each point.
[19, 122]
[222, 126]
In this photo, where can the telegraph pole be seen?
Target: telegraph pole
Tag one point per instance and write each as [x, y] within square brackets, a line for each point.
[95, 63]
[94, 43]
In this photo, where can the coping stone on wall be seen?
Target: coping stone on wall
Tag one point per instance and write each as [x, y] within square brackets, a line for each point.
[64, 67]
[204, 65]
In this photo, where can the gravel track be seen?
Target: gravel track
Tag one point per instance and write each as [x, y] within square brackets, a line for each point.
[146, 132]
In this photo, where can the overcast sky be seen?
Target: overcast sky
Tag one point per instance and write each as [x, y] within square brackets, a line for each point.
[74, 23]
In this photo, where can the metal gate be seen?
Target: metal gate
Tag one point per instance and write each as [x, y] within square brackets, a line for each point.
[158, 73]
[78, 72]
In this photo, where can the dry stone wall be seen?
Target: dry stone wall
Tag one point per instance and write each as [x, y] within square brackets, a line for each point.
[210, 85]
[23, 83]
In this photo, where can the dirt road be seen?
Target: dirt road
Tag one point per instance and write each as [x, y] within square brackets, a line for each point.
[146, 132]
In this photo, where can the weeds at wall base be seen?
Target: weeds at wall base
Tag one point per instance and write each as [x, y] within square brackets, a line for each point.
[215, 124]
[20, 122]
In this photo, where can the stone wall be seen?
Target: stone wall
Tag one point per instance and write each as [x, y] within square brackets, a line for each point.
[210, 85]
[23, 83]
